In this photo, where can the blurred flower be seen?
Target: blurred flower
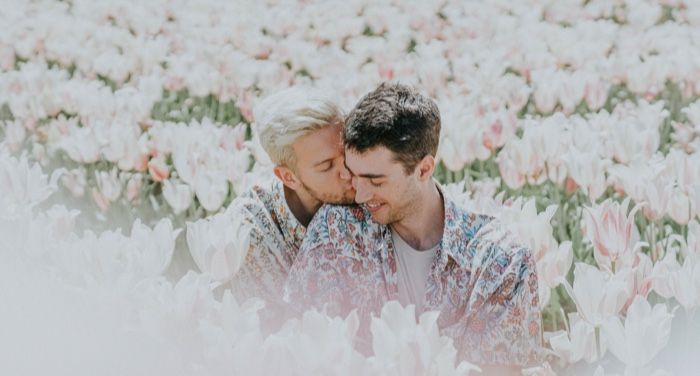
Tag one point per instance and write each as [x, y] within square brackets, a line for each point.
[571, 92]
[219, 244]
[403, 347]
[679, 206]
[685, 283]
[15, 134]
[315, 344]
[596, 93]
[588, 171]
[545, 95]
[211, 189]
[598, 295]
[533, 228]
[662, 273]
[639, 279]
[81, 146]
[577, 344]
[24, 185]
[152, 249]
[158, 169]
[134, 186]
[108, 184]
[178, 195]
[645, 332]
[552, 269]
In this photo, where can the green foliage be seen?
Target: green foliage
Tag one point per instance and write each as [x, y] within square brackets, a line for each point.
[181, 107]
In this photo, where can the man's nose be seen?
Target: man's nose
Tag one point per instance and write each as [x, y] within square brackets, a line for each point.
[345, 173]
[362, 195]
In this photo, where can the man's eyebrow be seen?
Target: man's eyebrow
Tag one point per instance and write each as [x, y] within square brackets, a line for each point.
[368, 176]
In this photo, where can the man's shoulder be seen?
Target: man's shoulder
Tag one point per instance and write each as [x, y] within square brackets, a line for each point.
[347, 229]
[498, 245]
[464, 225]
[329, 214]
[262, 205]
[482, 239]
[264, 194]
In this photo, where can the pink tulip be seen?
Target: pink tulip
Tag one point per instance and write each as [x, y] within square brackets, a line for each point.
[158, 170]
[611, 230]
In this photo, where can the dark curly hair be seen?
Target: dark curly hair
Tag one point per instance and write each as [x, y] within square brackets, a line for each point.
[397, 117]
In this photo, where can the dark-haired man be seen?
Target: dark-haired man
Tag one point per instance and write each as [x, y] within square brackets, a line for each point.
[408, 241]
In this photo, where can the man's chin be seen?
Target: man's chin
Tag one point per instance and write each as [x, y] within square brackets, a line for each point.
[379, 219]
[341, 201]
[349, 201]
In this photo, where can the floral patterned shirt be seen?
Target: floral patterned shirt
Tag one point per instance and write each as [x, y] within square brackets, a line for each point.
[275, 238]
[482, 280]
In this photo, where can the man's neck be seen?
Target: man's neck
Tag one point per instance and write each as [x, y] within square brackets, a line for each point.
[303, 208]
[423, 229]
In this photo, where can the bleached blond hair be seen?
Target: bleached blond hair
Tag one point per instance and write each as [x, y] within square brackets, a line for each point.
[283, 117]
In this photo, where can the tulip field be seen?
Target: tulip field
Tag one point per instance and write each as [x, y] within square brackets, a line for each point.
[127, 129]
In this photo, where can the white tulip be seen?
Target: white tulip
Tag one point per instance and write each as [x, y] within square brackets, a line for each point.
[178, 195]
[403, 347]
[552, 269]
[82, 145]
[108, 184]
[315, 344]
[598, 295]
[219, 245]
[24, 185]
[578, 344]
[533, 228]
[211, 189]
[645, 332]
[685, 283]
[152, 249]
[545, 95]
[588, 171]
[679, 206]
[15, 134]
[662, 274]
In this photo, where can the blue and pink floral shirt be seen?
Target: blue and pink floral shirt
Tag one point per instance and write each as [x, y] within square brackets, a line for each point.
[482, 280]
[275, 238]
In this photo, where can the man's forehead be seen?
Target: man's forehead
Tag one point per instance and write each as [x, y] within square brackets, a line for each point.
[377, 161]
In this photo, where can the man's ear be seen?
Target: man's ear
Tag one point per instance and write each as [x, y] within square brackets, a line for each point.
[287, 176]
[425, 167]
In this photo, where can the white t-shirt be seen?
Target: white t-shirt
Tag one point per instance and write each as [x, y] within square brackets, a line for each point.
[413, 267]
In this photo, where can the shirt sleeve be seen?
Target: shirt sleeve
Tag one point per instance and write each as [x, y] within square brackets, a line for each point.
[263, 270]
[502, 319]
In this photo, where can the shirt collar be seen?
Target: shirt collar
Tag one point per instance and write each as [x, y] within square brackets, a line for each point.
[290, 225]
[454, 236]
[454, 232]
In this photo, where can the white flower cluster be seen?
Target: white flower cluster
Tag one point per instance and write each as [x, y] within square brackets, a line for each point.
[579, 121]
[118, 283]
